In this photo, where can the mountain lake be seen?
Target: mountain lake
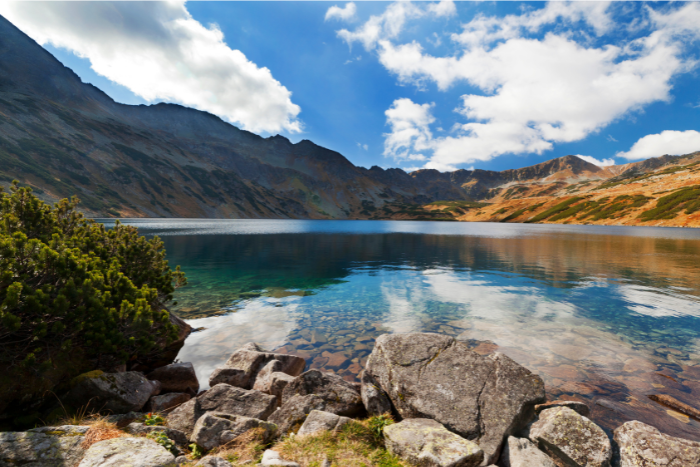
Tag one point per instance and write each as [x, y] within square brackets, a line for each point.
[605, 315]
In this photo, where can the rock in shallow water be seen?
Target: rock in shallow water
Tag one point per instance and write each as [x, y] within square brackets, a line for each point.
[482, 398]
[572, 438]
[49, 446]
[427, 443]
[642, 445]
[131, 452]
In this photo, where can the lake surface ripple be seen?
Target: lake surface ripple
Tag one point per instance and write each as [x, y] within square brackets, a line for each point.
[605, 315]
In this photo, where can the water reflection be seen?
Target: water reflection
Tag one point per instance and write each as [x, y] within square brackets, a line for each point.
[604, 315]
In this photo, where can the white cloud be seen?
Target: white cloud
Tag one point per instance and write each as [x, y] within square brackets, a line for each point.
[598, 162]
[346, 13]
[362, 146]
[443, 8]
[388, 25]
[159, 52]
[539, 91]
[667, 142]
[410, 129]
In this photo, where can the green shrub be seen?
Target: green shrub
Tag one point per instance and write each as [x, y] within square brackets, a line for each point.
[74, 296]
[668, 206]
[564, 205]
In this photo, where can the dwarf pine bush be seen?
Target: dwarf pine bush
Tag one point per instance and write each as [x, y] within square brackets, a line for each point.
[74, 296]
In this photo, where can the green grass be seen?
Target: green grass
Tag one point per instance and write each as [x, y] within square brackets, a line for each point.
[667, 207]
[563, 206]
[514, 215]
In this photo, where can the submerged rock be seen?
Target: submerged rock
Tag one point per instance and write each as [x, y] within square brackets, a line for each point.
[572, 438]
[131, 452]
[242, 368]
[482, 398]
[644, 445]
[216, 428]
[318, 421]
[427, 443]
[49, 446]
[111, 392]
[226, 399]
[176, 377]
[341, 397]
[521, 452]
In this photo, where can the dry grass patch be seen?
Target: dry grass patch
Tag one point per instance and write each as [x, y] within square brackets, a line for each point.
[100, 430]
[245, 448]
[355, 445]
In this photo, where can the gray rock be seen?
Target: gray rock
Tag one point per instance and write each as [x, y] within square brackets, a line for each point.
[643, 445]
[176, 377]
[181, 460]
[212, 461]
[226, 399]
[319, 420]
[572, 438]
[216, 428]
[131, 452]
[271, 380]
[111, 392]
[123, 419]
[342, 397]
[482, 398]
[166, 402]
[426, 443]
[521, 452]
[49, 446]
[374, 398]
[272, 458]
[578, 407]
[243, 366]
[292, 414]
[177, 436]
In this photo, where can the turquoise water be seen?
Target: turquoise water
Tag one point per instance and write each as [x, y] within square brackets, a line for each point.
[607, 315]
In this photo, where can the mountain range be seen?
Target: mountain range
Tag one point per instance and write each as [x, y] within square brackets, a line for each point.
[64, 137]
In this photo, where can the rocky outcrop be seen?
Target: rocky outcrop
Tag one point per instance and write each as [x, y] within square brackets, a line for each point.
[521, 452]
[242, 368]
[176, 377]
[643, 445]
[111, 392]
[226, 399]
[375, 400]
[166, 402]
[292, 414]
[340, 396]
[132, 452]
[214, 429]
[271, 380]
[139, 429]
[427, 443]
[318, 421]
[49, 446]
[482, 398]
[572, 438]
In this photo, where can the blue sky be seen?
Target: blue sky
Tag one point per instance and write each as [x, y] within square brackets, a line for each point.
[489, 85]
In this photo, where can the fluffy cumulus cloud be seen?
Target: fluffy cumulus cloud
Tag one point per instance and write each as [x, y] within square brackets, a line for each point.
[410, 130]
[598, 162]
[159, 52]
[671, 142]
[345, 13]
[551, 75]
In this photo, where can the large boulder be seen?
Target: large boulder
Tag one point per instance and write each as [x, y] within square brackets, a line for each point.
[292, 414]
[481, 398]
[644, 445]
[216, 428]
[226, 399]
[342, 397]
[49, 446]
[521, 452]
[111, 392]
[271, 380]
[132, 452]
[318, 421]
[426, 443]
[243, 366]
[166, 402]
[176, 377]
[572, 438]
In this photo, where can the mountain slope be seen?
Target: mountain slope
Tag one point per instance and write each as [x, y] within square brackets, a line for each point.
[65, 137]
